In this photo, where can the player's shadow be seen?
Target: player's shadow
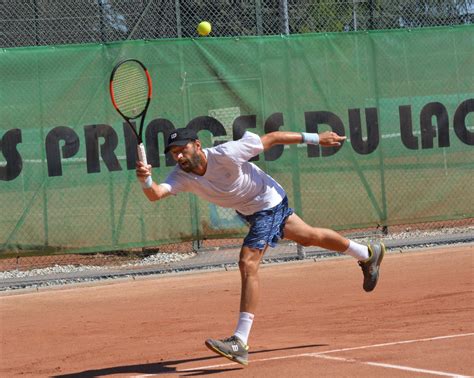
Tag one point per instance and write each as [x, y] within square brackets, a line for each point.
[169, 367]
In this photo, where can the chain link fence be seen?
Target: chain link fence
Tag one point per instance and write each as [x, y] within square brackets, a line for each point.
[53, 22]
[120, 201]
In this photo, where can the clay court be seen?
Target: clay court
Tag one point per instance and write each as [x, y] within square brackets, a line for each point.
[314, 320]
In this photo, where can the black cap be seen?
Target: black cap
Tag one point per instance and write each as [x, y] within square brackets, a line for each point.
[180, 137]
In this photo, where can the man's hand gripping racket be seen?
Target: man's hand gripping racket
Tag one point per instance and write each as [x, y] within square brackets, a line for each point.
[130, 91]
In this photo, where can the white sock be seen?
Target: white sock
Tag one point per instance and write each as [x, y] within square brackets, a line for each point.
[243, 326]
[359, 251]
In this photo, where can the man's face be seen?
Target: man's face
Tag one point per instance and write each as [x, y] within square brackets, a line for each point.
[187, 156]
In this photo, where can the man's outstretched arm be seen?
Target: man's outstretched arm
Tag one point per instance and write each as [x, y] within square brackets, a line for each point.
[326, 139]
[154, 192]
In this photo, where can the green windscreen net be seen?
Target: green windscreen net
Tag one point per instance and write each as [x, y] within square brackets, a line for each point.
[404, 99]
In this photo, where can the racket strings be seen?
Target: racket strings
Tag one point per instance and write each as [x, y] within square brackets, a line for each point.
[130, 89]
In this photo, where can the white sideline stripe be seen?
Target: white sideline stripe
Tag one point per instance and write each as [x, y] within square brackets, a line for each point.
[322, 355]
[391, 366]
[395, 343]
[434, 372]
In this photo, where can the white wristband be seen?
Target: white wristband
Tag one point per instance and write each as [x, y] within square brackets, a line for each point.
[148, 183]
[310, 138]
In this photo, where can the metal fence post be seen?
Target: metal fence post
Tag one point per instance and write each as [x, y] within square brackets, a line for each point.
[258, 16]
[285, 27]
[178, 19]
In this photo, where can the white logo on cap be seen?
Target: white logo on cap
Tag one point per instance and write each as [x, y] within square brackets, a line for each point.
[174, 135]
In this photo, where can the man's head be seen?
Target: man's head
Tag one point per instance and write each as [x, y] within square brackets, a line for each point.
[180, 137]
[185, 148]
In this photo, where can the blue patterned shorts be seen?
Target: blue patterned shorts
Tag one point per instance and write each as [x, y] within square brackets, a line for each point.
[266, 226]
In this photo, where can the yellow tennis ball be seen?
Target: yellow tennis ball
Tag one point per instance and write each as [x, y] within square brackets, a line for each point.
[204, 28]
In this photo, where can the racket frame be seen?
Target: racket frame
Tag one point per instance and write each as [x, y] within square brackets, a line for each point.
[142, 114]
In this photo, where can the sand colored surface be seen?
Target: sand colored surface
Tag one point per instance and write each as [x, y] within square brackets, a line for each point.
[314, 319]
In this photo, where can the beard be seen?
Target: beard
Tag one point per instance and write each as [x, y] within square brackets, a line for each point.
[189, 165]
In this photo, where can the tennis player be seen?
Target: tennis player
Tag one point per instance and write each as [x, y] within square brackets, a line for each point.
[224, 176]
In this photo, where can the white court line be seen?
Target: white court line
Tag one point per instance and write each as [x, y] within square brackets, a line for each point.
[395, 343]
[390, 366]
[433, 372]
[322, 355]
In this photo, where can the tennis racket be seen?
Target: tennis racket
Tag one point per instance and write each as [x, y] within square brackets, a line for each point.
[130, 91]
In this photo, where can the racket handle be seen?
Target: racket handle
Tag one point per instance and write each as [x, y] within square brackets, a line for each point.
[142, 157]
[142, 154]
[148, 183]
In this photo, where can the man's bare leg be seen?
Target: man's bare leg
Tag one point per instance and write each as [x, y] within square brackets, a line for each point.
[370, 257]
[235, 347]
[302, 233]
[249, 263]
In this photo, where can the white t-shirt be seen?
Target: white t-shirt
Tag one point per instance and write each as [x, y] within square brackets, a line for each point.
[230, 180]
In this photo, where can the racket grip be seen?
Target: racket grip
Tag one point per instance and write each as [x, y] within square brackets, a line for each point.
[142, 154]
[148, 183]
[142, 157]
